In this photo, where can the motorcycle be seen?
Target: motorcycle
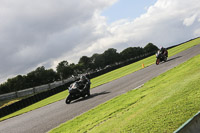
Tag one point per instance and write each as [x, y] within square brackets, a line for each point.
[161, 57]
[75, 92]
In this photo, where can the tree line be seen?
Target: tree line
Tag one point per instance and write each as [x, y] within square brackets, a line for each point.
[64, 70]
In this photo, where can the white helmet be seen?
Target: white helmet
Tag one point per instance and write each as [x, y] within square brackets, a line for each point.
[82, 78]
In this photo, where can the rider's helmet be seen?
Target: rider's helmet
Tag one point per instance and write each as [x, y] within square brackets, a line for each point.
[82, 78]
[162, 49]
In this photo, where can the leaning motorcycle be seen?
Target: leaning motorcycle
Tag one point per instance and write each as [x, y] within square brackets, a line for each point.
[75, 93]
[160, 57]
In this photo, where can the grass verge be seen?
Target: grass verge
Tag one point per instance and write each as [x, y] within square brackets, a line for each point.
[106, 78]
[161, 105]
[118, 73]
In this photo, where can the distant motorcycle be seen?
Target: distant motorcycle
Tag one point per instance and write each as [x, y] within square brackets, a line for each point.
[161, 57]
[76, 92]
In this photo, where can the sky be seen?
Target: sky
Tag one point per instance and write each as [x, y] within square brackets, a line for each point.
[44, 33]
[126, 9]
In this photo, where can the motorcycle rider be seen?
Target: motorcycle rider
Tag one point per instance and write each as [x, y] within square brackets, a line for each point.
[80, 88]
[84, 83]
[164, 51]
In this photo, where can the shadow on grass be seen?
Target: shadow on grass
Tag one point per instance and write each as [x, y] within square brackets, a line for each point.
[91, 96]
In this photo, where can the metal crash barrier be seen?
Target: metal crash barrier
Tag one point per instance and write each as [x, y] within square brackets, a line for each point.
[190, 126]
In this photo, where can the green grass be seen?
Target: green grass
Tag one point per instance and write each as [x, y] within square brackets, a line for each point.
[42, 103]
[106, 77]
[110, 76]
[8, 102]
[161, 105]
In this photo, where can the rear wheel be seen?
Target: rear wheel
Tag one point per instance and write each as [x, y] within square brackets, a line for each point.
[88, 93]
[165, 59]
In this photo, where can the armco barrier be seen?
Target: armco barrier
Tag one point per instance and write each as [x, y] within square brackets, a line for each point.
[8, 96]
[191, 126]
[26, 92]
[34, 90]
[32, 99]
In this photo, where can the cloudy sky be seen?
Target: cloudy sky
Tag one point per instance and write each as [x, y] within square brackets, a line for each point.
[44, 32]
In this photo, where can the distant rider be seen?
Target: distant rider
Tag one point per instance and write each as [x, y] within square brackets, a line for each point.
[164, 51]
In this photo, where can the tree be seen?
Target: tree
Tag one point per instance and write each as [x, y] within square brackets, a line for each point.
[127, 53]
[4, 88]
[98, 61]
[15, 84]
[51, 76]
[150, 47]
[34, 78]
[131, 52]
[85, 62]
[76, 69]
[41, 76]
[64, 70]
[111, 56]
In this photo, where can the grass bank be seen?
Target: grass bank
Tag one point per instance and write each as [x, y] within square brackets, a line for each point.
[161, 105]
[106, 77]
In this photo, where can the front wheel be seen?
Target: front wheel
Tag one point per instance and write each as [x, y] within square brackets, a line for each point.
[157, 61]
[68, 100]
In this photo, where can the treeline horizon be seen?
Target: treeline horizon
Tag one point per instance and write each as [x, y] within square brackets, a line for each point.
[64, 70]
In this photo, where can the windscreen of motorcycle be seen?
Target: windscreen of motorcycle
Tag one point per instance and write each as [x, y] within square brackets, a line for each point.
[157, 53]
[74, 85]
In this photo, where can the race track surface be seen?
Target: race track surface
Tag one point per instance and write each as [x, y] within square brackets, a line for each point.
[44, 119]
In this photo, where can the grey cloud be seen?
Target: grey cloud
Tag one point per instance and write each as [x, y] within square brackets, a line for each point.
[36, 32]
[162, 24]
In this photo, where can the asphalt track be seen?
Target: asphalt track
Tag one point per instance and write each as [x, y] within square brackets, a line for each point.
[48, 117]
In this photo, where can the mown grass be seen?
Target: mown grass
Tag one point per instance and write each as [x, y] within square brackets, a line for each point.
[110, 76]
[161, 105]
[42, 103]
[106, 78]
[8, 102]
